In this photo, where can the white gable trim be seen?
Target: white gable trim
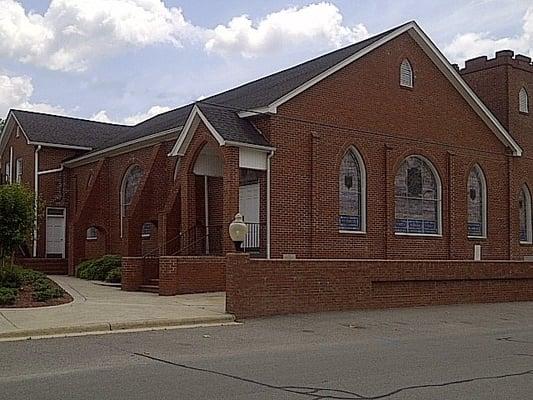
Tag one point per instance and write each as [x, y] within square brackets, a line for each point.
[458, 82]
[193, 120]
[436, 56]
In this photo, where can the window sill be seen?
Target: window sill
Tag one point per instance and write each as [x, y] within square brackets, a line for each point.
[91, 239]
[423, 235]
[353, 232]
[526, 243]
[477, 238]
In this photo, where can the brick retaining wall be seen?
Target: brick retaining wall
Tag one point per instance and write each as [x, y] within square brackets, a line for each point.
[181, 275]
[269, 287]
[50, 266]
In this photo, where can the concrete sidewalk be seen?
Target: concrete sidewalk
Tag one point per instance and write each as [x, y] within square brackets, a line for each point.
[99, 308]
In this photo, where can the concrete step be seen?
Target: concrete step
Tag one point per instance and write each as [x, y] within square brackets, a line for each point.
[154, 281]
[149, 288]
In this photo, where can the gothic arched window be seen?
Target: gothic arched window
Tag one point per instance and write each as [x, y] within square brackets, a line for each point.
[418, 197]
[477, 199]
[352, 186]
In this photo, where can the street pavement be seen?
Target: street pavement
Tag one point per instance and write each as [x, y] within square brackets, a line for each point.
[447, 352]
[98, 308]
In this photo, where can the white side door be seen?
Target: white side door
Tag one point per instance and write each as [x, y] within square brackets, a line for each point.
[55, 232]
[249, 209]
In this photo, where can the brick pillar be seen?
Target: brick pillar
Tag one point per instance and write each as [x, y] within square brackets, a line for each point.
[231, 193]
[132, 273]
[236, 291]
[168, 276]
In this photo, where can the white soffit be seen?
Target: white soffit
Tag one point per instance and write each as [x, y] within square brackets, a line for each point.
[252, 158]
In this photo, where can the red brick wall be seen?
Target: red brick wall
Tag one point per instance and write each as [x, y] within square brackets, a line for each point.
[364, 106]
[181, 275]
[257, 288]
[497, 81]
[50, 266]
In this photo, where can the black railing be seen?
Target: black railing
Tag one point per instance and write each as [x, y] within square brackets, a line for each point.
[201, 240]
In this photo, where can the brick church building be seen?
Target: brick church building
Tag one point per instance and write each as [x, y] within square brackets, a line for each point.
[379, 150]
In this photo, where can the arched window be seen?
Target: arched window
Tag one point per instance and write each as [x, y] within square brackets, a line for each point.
[477, 203]
[130, 183]
[523, 101]
[352, 187]
[406, 74]
[524, 205]
[92, 233]
[147, 230]
[176, 167]
[418, 197]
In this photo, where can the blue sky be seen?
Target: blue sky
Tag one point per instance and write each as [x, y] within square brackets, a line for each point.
[123, 60]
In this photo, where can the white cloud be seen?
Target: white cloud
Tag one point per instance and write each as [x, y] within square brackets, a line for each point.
[319, 23]
[71, 33]
[16, 92]
[102, 116]
[473, 44]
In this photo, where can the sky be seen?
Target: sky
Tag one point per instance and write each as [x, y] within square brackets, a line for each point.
[123, 61]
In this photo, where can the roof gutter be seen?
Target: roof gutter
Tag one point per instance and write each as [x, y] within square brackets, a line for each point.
[120, 148]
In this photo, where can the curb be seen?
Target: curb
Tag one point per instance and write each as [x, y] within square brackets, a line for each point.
[107, 327]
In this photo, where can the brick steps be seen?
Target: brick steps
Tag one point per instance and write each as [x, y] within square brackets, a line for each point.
[151, 287]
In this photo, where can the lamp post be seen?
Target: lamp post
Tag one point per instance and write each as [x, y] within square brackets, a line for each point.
[237, 231]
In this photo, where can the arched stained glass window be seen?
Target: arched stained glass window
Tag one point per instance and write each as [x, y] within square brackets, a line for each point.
[418, 197]
[352, 181]
[524, 206]
[130, 183]
[406, 74]
[477, 198]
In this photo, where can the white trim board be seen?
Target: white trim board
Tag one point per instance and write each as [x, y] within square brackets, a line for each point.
[438, 59]
[193, 120]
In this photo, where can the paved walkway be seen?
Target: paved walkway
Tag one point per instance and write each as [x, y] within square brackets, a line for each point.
[99, 308]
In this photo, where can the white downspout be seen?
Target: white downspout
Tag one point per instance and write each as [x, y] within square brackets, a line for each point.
[11, 165]
[268, 203]
[36, 189]
[206, 205]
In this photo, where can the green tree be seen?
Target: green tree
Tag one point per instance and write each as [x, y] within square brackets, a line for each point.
[17, 219]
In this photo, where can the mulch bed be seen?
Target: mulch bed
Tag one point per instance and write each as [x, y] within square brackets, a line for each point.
[25, 299]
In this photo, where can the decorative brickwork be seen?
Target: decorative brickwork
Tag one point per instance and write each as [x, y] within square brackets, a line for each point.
[257, 288]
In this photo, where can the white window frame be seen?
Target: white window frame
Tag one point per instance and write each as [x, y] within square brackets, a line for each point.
[18, 170]
[7, 172]
[362, 169]
[406, 74]
[89, 231]
[523, 101]
[483, 204]
[122, 205]
[438, 182]
[529, 227]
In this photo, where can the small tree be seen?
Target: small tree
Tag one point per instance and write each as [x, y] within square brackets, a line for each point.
[17, 219]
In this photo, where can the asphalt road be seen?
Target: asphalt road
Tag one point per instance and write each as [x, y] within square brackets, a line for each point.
[453, 352]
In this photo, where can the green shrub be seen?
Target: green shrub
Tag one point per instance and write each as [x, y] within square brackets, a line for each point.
[98, 269]
[10, 278]
[114, 276]
[7, 295]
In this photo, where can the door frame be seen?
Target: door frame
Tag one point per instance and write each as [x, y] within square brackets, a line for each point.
[63, 247]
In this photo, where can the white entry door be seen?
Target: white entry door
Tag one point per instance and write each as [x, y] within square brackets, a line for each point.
[55, 232]
[249, 209]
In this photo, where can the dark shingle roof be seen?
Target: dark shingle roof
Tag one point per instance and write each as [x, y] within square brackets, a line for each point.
[47, 128]
[259, 93]
[264, 91]
[230, 126]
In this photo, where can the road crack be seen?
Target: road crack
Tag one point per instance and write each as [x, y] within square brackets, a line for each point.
[317, 393]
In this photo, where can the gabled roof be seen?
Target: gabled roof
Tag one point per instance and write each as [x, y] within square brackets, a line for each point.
[43, 128]
[222, 111]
